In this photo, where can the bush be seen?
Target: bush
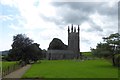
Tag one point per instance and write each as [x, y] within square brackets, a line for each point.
[117, 60]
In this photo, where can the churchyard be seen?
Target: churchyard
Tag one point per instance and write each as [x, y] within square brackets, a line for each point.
[95, 68]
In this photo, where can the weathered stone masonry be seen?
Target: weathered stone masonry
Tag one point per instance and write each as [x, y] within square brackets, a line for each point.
[73, 50]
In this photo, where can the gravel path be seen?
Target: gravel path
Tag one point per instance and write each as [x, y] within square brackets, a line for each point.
[18, 73]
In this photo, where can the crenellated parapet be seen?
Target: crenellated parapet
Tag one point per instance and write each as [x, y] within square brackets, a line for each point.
[73, 29]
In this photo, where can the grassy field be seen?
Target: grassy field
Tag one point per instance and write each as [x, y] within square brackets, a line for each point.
[6, 64]
[87, 54]
[72, 69]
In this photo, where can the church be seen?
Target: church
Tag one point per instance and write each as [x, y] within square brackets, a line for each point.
[72, 51]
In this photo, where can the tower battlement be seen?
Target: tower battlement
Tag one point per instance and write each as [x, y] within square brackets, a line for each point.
[73, 29]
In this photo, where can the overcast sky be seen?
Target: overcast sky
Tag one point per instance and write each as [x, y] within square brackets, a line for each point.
[43, 20]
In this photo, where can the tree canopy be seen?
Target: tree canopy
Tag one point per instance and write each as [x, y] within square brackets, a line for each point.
[110, 47]
[24, 49]
[57, 44]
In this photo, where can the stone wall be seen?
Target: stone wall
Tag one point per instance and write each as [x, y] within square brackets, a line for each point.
[60, 54]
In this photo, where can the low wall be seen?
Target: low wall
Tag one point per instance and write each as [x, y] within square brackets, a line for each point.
[60, 51]
[60, 54]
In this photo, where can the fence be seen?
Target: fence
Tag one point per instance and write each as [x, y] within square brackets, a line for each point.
[11, 69]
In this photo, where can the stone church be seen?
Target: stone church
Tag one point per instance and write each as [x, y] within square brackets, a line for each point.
[73, 49]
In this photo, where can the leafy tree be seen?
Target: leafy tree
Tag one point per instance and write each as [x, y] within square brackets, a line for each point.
[14, 55]
[110, 47]
[114, 41]
[57, 44]
[32, 52]
[20, 41]
[102, 50]
[24, 49]
[44, 53]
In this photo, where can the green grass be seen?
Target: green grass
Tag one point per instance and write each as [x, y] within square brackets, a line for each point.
[6, 64]
[87, 54]
[72, 69]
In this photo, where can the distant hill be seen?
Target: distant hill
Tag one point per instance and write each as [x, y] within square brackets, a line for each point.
[4, 52]
[0, 52]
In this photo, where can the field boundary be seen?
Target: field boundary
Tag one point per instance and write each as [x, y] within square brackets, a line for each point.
[18, 73]
[11, 68]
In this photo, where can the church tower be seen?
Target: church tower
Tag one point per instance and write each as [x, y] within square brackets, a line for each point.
[73, 40]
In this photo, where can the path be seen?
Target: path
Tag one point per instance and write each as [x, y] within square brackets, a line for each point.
[18, 73]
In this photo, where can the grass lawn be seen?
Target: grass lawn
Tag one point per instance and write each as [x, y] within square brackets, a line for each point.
[72, 69]
[6, 64]
[88, 54]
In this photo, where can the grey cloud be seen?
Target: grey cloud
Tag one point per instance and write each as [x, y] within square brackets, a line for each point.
[73, 16]
[119, 17]
[68, 16]
[94, 27]
[83, 6]
[89, 7]
[85, 40]
[79, 12]
[72, 12]
[108, 11]
[58, 21]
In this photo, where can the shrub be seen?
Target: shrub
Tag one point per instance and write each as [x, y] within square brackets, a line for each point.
[117, 60]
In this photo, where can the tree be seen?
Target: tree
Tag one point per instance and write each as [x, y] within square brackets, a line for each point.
[24, 49]
[20, 41]
[114, 41]
[32, 52]
[102, 50]
[110, 47]
[57, 44]
[44, 53]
